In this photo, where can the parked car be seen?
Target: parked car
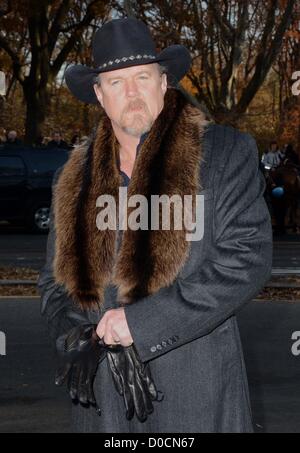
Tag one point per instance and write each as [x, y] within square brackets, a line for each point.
[25, 184]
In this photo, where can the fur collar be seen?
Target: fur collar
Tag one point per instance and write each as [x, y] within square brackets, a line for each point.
[168, 162]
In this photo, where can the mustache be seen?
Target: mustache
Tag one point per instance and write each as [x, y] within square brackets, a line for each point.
[135, 104]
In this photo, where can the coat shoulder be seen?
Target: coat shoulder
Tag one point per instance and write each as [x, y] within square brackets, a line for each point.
[76, 157]
[224, 142]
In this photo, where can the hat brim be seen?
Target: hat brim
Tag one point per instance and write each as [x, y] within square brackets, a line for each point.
[80, 79]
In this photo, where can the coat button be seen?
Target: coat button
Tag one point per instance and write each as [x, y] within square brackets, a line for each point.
[153, 349]
[164, 343]
[159, 347]
[170, 341]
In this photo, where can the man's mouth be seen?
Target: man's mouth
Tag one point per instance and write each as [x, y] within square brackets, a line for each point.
[136, 109]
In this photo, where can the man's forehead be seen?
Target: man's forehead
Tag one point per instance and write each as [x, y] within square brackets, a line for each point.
[125, 72]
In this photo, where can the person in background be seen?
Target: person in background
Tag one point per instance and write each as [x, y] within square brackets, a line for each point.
[272, 157]
[291, 156]
[57, 141]
[12, 139]
[2, 136]
[75, 140]
[40, 142]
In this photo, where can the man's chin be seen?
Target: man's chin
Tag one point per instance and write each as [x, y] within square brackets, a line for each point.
[137, 131]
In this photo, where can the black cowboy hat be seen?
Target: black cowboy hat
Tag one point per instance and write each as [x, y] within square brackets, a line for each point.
[121, 43]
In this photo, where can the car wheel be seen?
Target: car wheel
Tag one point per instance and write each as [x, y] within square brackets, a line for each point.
[39, 219]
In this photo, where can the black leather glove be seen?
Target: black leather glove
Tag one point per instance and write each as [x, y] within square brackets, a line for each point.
[132, 379]
[80, 352]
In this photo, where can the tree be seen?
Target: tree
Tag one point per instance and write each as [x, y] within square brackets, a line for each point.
[285, 66]
[38, 36]
[233, 43]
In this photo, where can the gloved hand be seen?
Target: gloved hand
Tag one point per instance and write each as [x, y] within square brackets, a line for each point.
[80, 353]
[132, 379]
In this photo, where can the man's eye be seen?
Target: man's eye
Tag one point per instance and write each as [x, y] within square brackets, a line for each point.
[143, 77]
[115, 82]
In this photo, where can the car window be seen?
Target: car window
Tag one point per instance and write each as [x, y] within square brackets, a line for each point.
[47, 162]
[11, 166]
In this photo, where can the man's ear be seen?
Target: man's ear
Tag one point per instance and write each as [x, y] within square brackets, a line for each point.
[164, 83]
[98, 93]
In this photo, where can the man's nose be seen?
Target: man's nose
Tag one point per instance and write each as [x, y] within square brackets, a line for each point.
[131, 87]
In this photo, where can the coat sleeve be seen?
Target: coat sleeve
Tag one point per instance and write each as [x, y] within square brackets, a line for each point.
[236, 267]
[57, 307]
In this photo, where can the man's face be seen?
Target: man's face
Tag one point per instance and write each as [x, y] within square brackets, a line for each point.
[132, 97]
[273, 147]
[56, 137]
[12, 135]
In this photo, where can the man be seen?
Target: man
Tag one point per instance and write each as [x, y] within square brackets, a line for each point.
[12, 139]
[272, 158]
[174, 299]
[57, 141]
[291, 157]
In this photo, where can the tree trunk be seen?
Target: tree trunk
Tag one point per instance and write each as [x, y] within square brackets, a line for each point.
[36, 110]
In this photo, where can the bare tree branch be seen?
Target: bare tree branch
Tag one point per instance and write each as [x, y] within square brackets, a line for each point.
[7, 10]
[56, 24]
[266, 58]
[16, 63]
[129, 8]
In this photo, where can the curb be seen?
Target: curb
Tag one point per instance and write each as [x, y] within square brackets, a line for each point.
[34, 282]
[283, 285]
[17, 282]
[19, 297]
[271, 301]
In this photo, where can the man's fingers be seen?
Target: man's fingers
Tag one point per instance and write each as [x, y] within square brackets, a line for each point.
[115, 373]
[110, 340]
[128, 400]
[90, 394]
[113, 328]
[133, 380]
[117, 367]
[73, 382]
[144, 373]
[82, 392]
[141, 398]
[149, 383]
[62, 374]
[100, 330]
[145, 393]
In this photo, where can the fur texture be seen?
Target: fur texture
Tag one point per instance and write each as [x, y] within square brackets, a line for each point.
[168, 162]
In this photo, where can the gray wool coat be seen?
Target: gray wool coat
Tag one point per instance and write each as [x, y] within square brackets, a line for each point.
[188, 331]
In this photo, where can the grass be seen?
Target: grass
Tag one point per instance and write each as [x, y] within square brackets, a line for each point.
[23, 273]
[18, 273]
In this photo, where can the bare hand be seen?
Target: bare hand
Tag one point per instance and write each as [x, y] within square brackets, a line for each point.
[113, 328]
